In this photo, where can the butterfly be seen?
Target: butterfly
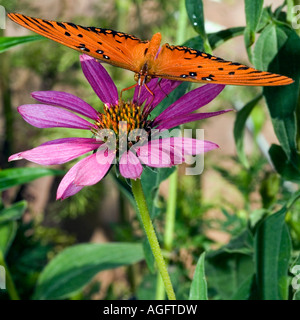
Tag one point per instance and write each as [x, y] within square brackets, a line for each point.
[147, 59]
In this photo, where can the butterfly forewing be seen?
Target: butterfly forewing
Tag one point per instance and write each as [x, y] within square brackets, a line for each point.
[116, 48]
[186, 64]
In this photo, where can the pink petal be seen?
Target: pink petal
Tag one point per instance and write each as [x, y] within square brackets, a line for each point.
[190, 146]
[99, 79]
[67, 187]
[66, 100]
[58, 151]
[94, 167]
[167, 152]
[154, 154]
[130, 166]
[44, 116]
[172, 122]
[191, 101]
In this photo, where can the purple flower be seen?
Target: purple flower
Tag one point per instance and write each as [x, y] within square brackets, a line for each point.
[124, 133]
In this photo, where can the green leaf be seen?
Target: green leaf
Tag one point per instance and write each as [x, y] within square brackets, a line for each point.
[9, 42]
[195, 43]
[15, 176]
[229, 269]
[278, 50]
[217, 38]
[198, 289]
[272, 246]
[195, 12]
[149, 258]
[74, 267]
[125, 189]
[14, 212]
[239, 129]
[244, 290]
[253, 11]
[288, 170]
[7, 234]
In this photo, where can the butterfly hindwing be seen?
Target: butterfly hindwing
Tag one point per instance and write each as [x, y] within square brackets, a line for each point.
[186, 64]
[116, 48]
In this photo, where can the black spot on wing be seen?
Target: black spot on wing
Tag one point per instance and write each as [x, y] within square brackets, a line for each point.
[73, 25]
[83, 47]
[48, 23]
[61, 25]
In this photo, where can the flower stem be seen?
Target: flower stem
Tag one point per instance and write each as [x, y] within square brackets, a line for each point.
[169, 226]
[149, 229]
[11, 289]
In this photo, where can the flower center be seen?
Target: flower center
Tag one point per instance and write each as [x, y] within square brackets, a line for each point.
[122, 118]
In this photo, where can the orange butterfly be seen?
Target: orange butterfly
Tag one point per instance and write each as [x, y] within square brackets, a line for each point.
[146, 59]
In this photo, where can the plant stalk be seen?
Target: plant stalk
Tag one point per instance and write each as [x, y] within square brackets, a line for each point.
[150, 232]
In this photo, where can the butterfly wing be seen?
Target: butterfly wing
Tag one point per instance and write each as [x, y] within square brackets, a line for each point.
[186, 64]
[116, 48]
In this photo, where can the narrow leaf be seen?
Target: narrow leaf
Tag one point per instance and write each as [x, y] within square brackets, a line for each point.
[253, 11]
[272, 246]
[239, 129]
[13, 212]
[288, 170]
[196, 15]
[9, 42]
[74, 267]
[16, 176]
[198, 289]
[278, 50]
[217, 38]
[7, 234]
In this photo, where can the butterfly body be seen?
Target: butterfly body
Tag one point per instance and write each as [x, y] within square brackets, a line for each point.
[146, 58]
[144, 74]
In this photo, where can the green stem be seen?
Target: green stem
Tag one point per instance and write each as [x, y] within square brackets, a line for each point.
[169, 227]
[171, 211]
[9, 281]
[182, 23]
[149, 229]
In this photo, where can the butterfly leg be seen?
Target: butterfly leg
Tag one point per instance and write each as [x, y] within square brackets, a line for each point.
[133, 86]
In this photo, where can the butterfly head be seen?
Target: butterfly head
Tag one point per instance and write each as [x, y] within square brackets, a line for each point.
[142, 79]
